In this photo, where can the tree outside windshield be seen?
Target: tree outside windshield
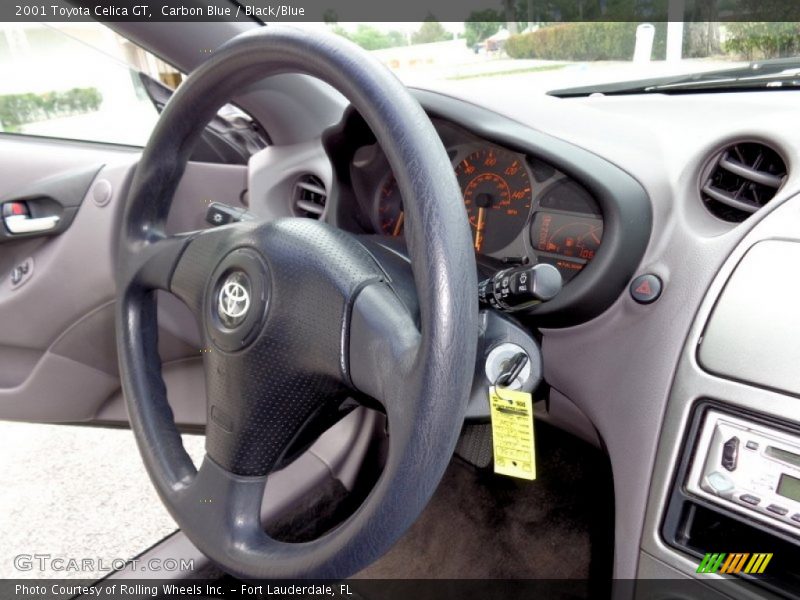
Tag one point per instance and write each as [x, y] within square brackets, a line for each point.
[544, 56]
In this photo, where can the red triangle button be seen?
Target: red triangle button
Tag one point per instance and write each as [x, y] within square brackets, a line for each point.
[646, 288]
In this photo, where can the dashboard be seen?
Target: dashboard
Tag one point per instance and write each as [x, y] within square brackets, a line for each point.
[520, 208]
[631, 157]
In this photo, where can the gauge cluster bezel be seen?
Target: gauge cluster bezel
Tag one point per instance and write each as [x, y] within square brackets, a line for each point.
[622, 201]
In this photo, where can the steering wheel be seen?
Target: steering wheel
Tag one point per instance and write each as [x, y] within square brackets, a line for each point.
[298, 315]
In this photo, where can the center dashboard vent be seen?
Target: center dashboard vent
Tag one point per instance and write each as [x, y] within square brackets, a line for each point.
[309, 197]
[741, 179]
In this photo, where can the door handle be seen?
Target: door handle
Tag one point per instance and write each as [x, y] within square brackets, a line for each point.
[24, 224]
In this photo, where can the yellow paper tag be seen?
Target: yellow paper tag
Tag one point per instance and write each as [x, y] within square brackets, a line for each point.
[512, 433]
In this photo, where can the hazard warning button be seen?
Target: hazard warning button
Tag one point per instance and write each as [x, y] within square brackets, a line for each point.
[646, 288]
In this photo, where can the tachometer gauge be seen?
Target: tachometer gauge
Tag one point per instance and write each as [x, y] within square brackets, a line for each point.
[497, 194]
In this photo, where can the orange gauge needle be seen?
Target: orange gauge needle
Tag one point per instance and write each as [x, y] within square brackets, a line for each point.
[479, 228]
[398, 227]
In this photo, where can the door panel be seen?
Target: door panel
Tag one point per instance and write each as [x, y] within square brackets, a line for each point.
[57, 347]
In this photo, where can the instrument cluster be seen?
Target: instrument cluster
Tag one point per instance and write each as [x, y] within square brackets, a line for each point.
[518, 207]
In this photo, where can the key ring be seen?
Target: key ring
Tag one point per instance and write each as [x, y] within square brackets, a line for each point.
[513, 367]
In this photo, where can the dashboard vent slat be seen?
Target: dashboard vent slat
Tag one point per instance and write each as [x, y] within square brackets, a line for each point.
[737, 168]
[727, 200]
[309, 197]
[741, 179]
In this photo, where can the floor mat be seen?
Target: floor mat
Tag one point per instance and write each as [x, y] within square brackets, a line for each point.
[479, 525]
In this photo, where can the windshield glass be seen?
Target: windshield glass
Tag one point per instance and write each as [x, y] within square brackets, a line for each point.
[541, 57]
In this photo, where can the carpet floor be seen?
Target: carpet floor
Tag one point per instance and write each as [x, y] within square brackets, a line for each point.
[483, 526]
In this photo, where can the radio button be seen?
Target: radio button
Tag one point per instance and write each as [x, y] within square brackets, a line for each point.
[720, 483]
[778, 510]
[730, 453]
[750, 499]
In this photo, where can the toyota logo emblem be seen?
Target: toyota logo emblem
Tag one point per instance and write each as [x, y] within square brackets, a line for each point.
[234, 299]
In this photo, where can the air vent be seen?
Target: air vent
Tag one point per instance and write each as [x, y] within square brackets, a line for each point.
[309, 197]
[741, 179]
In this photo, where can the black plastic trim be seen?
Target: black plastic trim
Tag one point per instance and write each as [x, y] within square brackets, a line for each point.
[626, 208]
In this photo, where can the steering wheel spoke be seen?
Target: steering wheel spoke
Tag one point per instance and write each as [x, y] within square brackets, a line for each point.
[153, 262]
[179, 264]
[383, 345]
[223, 504]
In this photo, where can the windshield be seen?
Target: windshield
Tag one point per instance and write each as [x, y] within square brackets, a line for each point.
[541, 57]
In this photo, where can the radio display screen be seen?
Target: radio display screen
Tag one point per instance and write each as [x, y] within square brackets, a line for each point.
[789, 487]
[784, 455]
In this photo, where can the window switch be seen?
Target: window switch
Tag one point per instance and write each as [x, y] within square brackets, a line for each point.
[21, 273]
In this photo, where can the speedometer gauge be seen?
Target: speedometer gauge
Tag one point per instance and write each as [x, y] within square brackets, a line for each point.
[497, 195]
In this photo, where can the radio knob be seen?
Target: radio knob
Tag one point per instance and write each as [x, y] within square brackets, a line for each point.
[730, 453]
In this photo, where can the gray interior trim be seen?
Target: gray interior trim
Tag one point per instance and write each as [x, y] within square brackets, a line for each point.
[65, 368]
[17, 365]
[564, 414]
[74, 275]
[273, 172]
[753, 334]
[693, 383]
[58, 389]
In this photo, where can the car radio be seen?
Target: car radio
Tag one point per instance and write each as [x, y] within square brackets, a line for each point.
[751, 468]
